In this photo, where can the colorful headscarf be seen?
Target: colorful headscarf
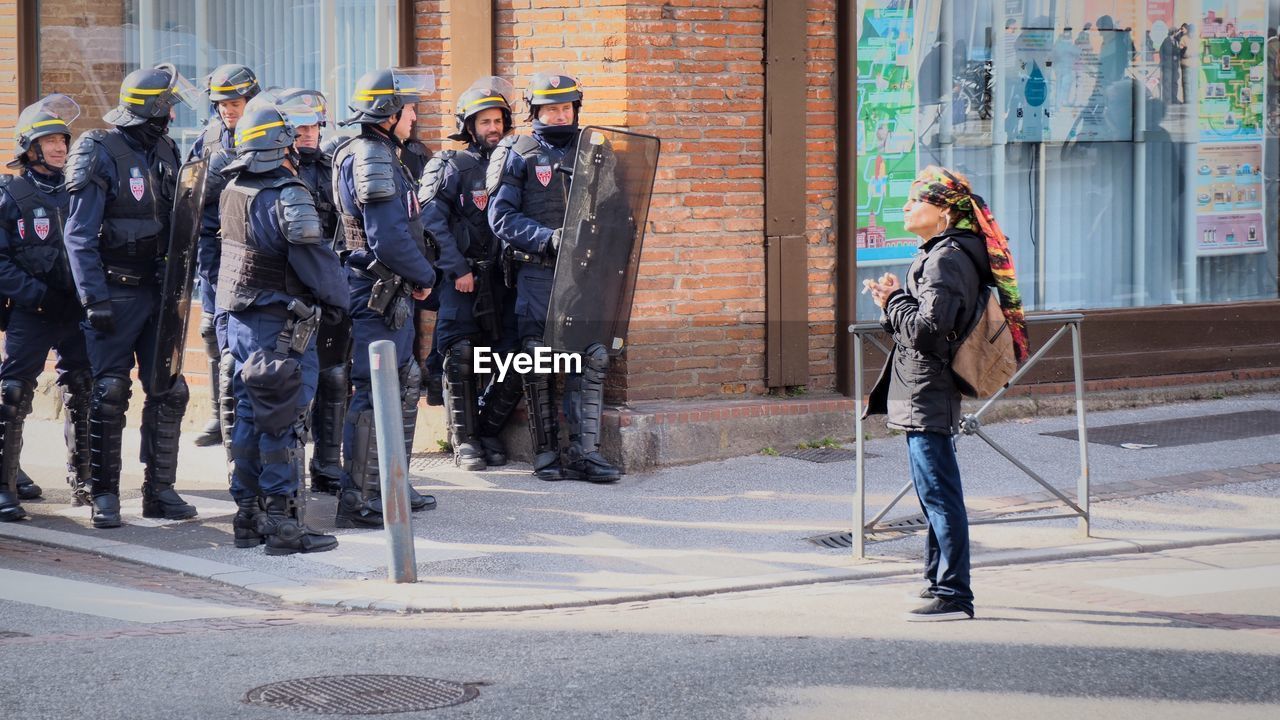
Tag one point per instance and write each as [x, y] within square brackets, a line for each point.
[946, 190]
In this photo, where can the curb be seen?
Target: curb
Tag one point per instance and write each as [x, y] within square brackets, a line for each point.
[391, 598]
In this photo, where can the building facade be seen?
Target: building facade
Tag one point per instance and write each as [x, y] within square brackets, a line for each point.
[790, 131]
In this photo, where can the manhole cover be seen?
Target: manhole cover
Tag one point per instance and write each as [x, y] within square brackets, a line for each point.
[1185, 431]
[361, 694]
[824, 455]
[8, 634]
[426, 461]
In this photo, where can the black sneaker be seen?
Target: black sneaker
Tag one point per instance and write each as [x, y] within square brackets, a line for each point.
[940, 610]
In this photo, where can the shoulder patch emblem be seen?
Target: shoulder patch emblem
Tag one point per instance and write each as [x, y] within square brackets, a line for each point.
[544, 174]
[41, 226]
[480, 198]
[137, 185]
[22, 228]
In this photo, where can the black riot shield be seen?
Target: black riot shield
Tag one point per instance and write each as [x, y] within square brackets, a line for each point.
[179, 275]
[600, 243]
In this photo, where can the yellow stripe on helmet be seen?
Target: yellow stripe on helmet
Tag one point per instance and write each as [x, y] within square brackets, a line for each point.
[571, 88]
[486, 99]
[42, 123]
[145, 91]
[256, 132]
[132, 101]
[225, 88]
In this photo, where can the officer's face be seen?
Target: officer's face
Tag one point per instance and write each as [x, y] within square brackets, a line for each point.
[489, 127]
[230, 111]
[558, 114]
[408, 117]
[54, 148]
[308, 136]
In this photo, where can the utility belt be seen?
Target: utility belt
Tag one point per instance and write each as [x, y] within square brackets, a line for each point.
[387, 286]
[132, 276]
[511, 258]
[301, 323]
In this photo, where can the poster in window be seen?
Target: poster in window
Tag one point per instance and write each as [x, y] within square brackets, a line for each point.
[886, 158]
[1228, 184]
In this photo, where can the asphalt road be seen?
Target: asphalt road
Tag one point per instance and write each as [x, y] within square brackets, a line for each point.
[1190, 633]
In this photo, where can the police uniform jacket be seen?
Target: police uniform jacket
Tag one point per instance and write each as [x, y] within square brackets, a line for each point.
[114, 219]
[372, 186]
[276, 253]
[454, 204]
[526, 195]
[33, 261]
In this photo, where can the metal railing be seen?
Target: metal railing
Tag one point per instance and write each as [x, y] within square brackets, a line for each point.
[971, 424]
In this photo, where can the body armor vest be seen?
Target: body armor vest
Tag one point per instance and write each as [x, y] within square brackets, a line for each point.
[353, 232]
[319, 175]
[475, 237]
[246, 269]
[211, 139]
[545, 191]
[39, 249]
[135, 226]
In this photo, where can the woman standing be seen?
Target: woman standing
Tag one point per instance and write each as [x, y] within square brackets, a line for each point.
[962, 248]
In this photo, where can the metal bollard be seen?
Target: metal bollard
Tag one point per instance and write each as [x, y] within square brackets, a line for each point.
[393, 466]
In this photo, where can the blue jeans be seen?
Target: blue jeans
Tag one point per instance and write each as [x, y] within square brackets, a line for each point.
[936, 475]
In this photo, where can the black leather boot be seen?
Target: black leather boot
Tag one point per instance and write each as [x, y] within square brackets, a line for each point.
[106, 508]
[161, 424]
[212, 433]
[245, 523]
[460, 406]
[27, 488]
[327, 418]
[106, 428]
[15, 404]
[584, 396]
[496, 405]
[285, 533]
[360, 503]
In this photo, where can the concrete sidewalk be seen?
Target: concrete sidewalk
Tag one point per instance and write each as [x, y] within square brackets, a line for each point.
[505, 541]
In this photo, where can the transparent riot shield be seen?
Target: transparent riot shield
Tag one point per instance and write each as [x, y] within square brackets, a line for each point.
[179, 272]
[600, 243]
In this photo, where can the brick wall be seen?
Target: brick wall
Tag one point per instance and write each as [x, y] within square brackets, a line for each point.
[8, 76]
[691, 72]
[82, 46]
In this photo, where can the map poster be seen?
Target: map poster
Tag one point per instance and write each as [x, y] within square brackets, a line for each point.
[1227, 185]
[886, 158]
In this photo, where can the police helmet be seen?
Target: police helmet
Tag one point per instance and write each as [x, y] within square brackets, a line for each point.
[313, 99]
[380, 95]
[485, 93]
[551, 88]
[231, 81]
[52, 115]
[150, 93]
[265, 134]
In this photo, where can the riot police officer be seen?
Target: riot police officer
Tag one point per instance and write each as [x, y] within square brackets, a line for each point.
[454, 201]
[122, 183]
[230, 88]
[526, 210]
[36, 278]
[278, 276]
[387, 269]
[333, 346]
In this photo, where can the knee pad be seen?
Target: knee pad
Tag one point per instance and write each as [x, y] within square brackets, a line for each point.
[335, 381]
[78, 383]
[595, 363]
[15, 399]
[111, 395]
[460, 355]
[209, 334]
[410, 382]
[177, 396]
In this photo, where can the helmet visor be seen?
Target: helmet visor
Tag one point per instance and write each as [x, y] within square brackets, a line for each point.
[314, 102]
[182, 89]
[490, 89]
[53, 112]
[412, 83]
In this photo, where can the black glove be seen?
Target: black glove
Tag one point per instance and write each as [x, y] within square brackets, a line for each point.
[554, 243]
[332, 315]
[399, 312]
[101, 318]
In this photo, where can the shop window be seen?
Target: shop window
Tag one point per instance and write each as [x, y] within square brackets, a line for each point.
[1128, 147]
[87, 46]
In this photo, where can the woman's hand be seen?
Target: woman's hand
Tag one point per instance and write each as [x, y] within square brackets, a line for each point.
[881, 289]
